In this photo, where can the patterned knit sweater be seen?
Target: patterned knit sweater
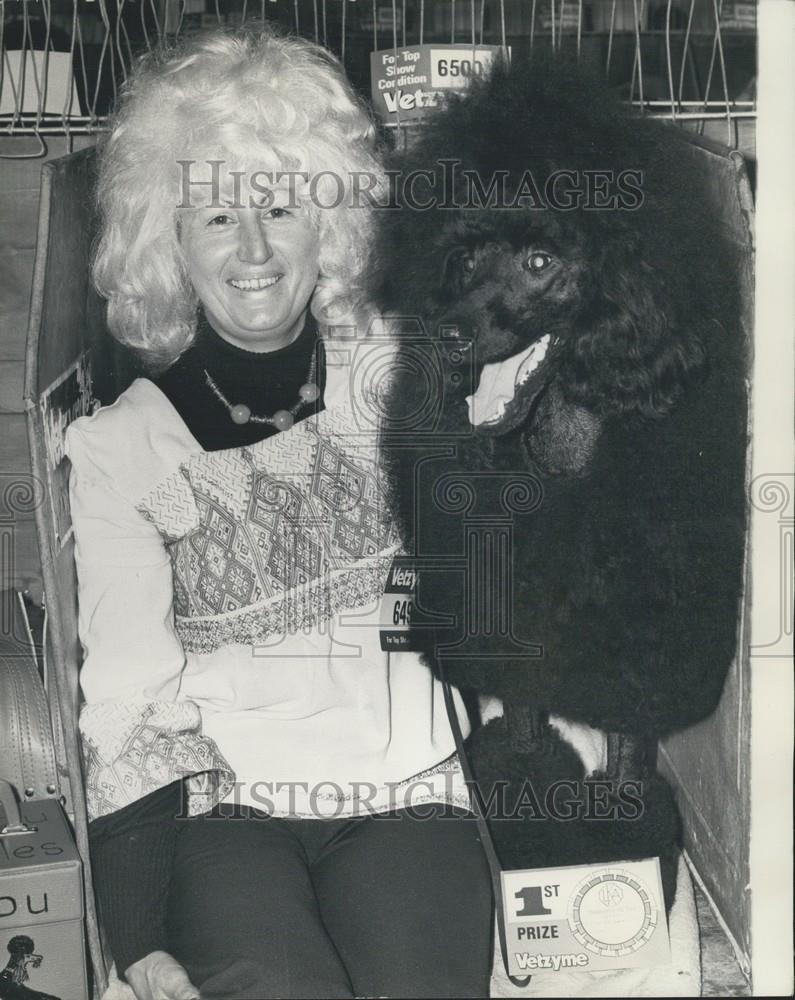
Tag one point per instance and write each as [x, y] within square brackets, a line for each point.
[230, 603]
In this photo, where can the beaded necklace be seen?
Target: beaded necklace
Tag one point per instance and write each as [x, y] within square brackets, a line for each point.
[283, 419]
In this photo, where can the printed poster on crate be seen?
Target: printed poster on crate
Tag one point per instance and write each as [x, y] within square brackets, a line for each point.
[407, 82]
[68, 398]
[585, 918]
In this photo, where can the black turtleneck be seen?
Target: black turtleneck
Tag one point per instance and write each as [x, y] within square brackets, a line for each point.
[265, 382]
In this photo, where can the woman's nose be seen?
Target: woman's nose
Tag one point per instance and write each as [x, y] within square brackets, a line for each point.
[253, 246]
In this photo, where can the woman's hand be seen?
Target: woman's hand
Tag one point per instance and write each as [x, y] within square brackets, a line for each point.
[158, 976]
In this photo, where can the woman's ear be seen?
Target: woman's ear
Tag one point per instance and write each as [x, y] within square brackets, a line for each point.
[632, 352]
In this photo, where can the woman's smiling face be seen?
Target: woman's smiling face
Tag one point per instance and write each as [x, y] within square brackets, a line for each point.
[254, 269]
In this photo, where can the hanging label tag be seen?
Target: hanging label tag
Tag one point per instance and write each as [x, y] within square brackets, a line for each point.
[397, 606]
[585, 917]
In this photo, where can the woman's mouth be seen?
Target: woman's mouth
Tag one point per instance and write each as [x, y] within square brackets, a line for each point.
[254, 284]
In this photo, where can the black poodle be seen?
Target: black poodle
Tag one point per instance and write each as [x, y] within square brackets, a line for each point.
[571, 358]
[21, 948]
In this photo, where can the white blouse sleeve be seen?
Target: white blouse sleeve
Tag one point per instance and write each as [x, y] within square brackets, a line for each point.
[125, 591]
[137, 734]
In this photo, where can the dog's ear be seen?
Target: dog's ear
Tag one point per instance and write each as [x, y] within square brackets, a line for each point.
[632, 352]
[562, 437]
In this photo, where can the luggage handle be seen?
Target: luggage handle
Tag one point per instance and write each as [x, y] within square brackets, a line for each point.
[14, 822]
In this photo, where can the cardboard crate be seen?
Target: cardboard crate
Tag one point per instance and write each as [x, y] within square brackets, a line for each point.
[41, 902]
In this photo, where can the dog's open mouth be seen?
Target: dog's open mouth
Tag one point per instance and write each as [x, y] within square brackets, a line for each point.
[507, 388]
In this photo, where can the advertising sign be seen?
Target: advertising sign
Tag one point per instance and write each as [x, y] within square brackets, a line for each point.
[407, 82]
[585, 917]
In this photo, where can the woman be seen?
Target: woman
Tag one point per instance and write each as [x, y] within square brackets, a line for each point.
[256, 763]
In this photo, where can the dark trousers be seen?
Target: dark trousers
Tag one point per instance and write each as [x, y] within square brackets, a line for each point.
[378, 906]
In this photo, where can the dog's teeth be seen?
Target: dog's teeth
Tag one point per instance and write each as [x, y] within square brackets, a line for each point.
[533, 360]
[525, 374]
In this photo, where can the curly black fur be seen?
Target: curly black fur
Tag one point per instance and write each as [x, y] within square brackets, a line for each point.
[627, 571]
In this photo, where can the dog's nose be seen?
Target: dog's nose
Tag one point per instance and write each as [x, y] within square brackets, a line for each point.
[452, 331]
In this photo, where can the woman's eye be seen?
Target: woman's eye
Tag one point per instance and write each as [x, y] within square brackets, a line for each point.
[537, 261]
[220, 220]
[277, 213]
[468, 264]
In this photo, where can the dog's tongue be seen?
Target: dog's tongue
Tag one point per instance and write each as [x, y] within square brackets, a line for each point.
[496, 389]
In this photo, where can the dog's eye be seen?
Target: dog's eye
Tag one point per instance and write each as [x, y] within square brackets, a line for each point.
[537, 262]
[459, 266]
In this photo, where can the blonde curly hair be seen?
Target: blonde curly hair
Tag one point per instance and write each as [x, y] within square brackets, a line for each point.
[255, 97]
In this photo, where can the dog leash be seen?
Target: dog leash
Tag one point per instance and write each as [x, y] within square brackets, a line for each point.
[495, 868]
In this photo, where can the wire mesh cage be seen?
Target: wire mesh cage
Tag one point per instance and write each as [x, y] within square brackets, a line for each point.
[693, 61]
